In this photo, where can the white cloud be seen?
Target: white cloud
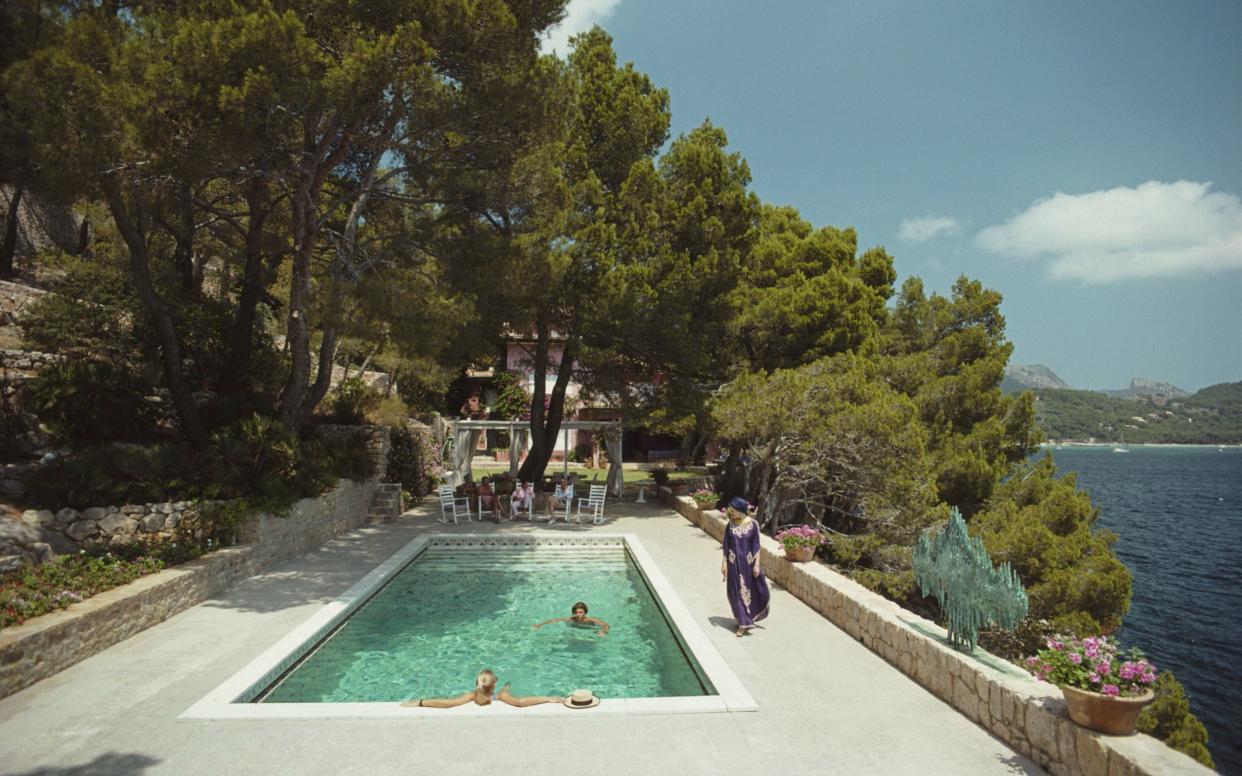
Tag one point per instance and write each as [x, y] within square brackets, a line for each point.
[580, 16]
[923, 229]
[1153, 230]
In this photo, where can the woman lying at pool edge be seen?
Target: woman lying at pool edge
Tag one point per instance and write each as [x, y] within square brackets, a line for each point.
[579, 617]
[484, 693]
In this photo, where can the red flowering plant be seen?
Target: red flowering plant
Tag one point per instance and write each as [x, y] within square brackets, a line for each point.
[801, 536]
[1093, 664]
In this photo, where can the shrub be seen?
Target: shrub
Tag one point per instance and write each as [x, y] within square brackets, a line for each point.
[512, 401]
[254, 456]
[390, 411]
[254, 459]
[116, 474]
[1043, 525]
[1168, 718]
[87, 401]
[412, 461]
[351, 401]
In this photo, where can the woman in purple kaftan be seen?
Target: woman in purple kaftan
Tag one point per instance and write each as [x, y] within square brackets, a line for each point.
[745, 584]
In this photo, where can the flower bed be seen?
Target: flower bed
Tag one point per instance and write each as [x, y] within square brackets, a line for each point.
[68, 579]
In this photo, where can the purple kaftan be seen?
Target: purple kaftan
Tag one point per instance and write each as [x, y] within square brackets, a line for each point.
[748, 594]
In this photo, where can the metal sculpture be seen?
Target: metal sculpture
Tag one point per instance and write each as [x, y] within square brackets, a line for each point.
[955, 568]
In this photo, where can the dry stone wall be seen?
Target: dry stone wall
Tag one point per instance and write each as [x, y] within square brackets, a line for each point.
[1026, 714]
[46, 645]
[377, 439]
[111, 526]
[14, 297]
[27, 360]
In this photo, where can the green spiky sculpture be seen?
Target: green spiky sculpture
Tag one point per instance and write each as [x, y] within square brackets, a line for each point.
[955, 568]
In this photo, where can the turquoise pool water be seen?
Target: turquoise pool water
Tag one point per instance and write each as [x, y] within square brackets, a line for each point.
[454, 611]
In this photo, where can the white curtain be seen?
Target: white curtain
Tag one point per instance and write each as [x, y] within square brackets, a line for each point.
[612, 443]
[517, 443]
[464, 441]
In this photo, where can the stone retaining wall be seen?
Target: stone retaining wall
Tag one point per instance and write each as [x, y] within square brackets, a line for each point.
[377, 440]
[27, 360]
[49, 644]
[1026, 714]
[14, 297]
[112, 526]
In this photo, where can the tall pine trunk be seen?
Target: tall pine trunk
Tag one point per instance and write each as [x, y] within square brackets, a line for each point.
[297, 328]
[165, 328]
[236, 368]
[545, 426]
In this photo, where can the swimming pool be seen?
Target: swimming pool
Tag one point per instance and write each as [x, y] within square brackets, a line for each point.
[425, 621]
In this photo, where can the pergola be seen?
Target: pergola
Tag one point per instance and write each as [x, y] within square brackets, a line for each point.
[466, 437]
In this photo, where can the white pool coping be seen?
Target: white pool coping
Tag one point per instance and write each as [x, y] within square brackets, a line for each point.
[229, 699]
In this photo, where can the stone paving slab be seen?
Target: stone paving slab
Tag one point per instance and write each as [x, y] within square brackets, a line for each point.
[827, 705]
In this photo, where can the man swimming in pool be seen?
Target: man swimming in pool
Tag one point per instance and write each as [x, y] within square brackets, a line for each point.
[579, 617]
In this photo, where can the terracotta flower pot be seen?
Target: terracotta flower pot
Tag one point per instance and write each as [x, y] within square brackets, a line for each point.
[1105, 713]
[799, 554]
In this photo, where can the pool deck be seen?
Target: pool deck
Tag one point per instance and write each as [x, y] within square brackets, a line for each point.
[827, 704]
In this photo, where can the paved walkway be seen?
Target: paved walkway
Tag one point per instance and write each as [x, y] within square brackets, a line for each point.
[827, 704]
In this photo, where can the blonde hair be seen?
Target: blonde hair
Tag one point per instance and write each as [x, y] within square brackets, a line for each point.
[484, 685]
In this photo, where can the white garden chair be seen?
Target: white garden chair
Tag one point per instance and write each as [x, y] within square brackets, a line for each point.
[593, 503]
[452, 505]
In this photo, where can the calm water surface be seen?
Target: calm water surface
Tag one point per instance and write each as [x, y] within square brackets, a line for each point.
[1178, 513]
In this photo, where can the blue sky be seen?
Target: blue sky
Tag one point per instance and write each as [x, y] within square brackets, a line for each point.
[1085, 159]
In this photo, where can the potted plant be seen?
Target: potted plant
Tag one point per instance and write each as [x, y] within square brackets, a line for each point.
[660, 476]
[1104, 691]
[705, 498]
[801, 542]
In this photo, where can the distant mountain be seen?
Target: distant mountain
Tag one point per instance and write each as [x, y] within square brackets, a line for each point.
[1211, 416]
[1140, 387]
[1020, 377]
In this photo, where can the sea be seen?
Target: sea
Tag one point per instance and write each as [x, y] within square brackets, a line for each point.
[1177, 511]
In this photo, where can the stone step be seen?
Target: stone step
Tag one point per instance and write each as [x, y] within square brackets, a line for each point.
[385, 503]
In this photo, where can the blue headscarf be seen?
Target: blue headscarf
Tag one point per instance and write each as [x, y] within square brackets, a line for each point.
[740, 504]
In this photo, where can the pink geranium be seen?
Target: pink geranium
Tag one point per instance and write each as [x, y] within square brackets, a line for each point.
[1092, 664]
[801, 536]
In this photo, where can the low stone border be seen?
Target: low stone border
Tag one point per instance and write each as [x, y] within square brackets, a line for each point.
[1026, 714]
[51, 643]
[28, 360]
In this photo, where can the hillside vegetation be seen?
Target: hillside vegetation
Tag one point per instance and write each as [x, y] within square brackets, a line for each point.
[1211, 416]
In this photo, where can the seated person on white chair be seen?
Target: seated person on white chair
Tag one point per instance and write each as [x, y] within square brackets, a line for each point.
[488, 501]
[560, 500]
[522, 500]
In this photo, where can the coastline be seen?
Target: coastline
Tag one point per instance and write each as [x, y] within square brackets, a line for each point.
[1137, 444]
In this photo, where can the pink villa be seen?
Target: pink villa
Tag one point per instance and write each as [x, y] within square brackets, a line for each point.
[518, 362]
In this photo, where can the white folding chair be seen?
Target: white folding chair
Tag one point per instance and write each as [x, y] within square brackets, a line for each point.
[452, 505]
[594, 504]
